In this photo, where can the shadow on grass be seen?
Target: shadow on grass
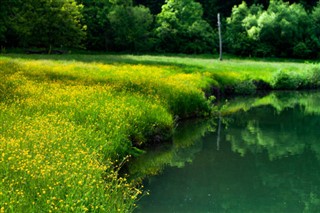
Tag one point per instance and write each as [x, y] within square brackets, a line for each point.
[175, 61]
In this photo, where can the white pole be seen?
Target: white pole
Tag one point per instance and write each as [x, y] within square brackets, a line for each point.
[220, 39]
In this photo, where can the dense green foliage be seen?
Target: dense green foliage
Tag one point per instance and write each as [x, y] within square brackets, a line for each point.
[41, 23]
[131, 27]
[259, 28]
[116, 25]
[283, 30]
[98, 28]
[180, 28]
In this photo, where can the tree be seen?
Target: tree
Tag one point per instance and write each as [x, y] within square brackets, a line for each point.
[3, 15]
[180, 28]
[281, 30]
[242, 19]
[95, 17]
[283, 27]
[212, 7]
[116, 25]
[314, 42]
[130, 26]
[48, 24]
[8, 35]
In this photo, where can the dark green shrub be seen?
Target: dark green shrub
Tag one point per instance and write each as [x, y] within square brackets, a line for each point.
[314, 81]
[262, 85]
[264, 50]
[245, 87]
[286, 80]
[301, 50]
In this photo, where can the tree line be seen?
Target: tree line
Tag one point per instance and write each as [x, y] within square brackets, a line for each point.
[250, 28]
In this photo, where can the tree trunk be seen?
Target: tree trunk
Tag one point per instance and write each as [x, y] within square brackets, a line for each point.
[50, 49]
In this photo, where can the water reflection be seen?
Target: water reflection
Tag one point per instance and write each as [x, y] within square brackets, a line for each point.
[267, 160]
[186, 143]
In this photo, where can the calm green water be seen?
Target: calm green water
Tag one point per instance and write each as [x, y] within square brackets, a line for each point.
[265, 158]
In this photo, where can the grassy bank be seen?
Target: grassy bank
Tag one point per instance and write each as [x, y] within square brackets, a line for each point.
[67, 121]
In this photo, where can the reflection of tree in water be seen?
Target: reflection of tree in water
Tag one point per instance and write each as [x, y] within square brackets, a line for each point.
[282, 134]
[290, 137]
[284, 127]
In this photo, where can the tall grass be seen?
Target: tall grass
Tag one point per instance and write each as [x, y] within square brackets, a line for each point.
[64, 124]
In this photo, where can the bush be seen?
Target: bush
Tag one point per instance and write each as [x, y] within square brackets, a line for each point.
[301, 50]
[286, 80]
[245, 87]
[314, 77]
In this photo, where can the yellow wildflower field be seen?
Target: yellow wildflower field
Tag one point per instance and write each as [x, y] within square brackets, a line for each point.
[64, 125]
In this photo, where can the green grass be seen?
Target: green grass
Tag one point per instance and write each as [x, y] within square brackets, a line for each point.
[225, 72]
[64, 124]
[67, 121]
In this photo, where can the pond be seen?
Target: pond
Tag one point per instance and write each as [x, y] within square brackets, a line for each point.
[260, 155]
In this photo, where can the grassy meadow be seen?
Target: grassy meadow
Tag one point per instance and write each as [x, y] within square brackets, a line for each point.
[68, 122]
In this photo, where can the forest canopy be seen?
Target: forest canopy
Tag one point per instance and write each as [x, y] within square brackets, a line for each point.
[257, 28]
